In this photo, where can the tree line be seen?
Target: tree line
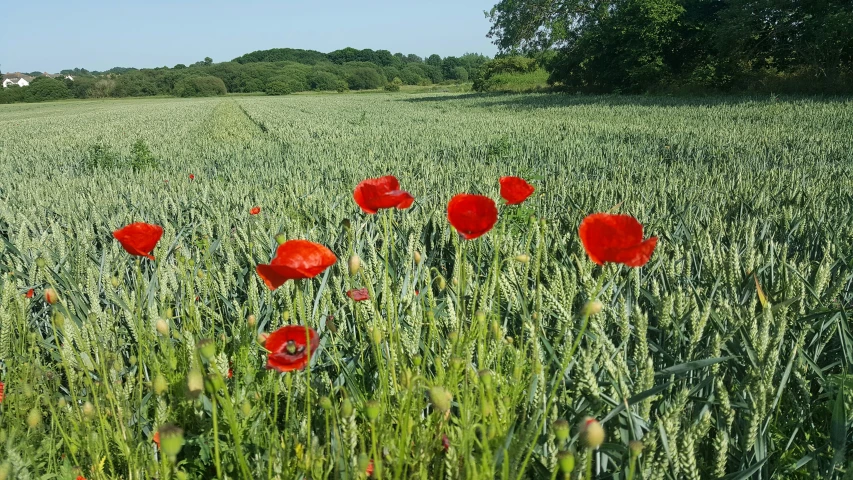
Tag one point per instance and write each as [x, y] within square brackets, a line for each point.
[632, 46]
[275, 72]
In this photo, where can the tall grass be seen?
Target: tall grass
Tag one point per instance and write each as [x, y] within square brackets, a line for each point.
[727, 355]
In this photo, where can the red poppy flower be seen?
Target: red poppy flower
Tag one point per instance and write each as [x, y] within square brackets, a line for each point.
[80, 477]
[369, 470]
[139, 238]
[616, 239]
[358, 295]
[1, 392]
[515, 190]
[30, 293]
[445, 443]
[255, 211]
[472, 215]
[230, 373]
[383, 192]
[192, 177]
[289, 347]
[296, 259]
[156, 438]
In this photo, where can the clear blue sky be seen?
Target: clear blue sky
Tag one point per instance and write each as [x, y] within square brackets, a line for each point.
[51, 35]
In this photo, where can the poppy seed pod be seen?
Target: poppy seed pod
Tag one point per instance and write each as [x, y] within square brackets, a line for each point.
[206, 348]
[354, 265]
[372, 410]
[440, 398]
[325, 403]
[251, 320]
[195, 384]
[162, 327]
[591, 433]
[171, 440]
[280, 238]
[346, 408]
[50, 296]
[566, 461]
[561, 430]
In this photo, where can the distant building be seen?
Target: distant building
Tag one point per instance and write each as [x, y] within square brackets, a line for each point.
[16, 78]
[58, 75]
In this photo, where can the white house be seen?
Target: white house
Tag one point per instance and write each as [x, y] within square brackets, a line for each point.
[18, 79]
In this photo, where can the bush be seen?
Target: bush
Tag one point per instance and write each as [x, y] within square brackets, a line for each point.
[141, 156]
[202, 86]
[364, 78]
[45, 88]
[320, 80]
[394, 86]
[279, 87]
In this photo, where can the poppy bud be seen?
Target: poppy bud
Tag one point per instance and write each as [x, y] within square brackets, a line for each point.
[280, 238]
[442, 283]
[363, 462]
[480, 316]
[372, 410]
[262, 337]
[50, 296]
[455, 281]
[346, 223]
[34, 418]
[561, 430]
[88, 410]
[246, 408]
[417, 257]
[593, 307]
[417, 360]
[5, 468]
[330, 324]
[485, 377]
[636, 447]
[160, 384]
[251, 320]
[346, 408]
[591, 433]
[354, 264]
[40, 262]
[115, 282]
[376, 335]
[171, 440]
[566, 461]
[162, 327]
[452, 337]
[325, 403]
[440, 398]
[195, 384]
[285, 316]
[59, 320]
[62, 403]
[523, 258]
[207, 348]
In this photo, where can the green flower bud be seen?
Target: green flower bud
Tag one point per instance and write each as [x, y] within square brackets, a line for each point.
[206, 348]
[160, 384]
[636, 447]
[346, 408]
[40, 262]
[566, 461]
[591, 433]
[280, 238]
[246, 408]
[88, 410]
[162, 327]
[561, 430]
[171, 440]
[325, 403]
[34, 418]
[354, 264]
[195, 384]
[592, 307]
[372, 410]
[523, 258]
[441, 398]
[251, 320]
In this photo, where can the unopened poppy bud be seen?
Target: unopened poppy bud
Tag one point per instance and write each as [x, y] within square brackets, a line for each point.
[455, 281]
[206, 348]
[346, 223]
[417, 256]
[62, 403]
[523, 258]
[50, 296]
[346, 408]
[59, 320]
[246, 408]
[354, 264]
[280, 238]
[325, 403]
[452, 337]
[262, 337]
[496, 329]
[162, 327]
[34, 418]
[160, 384]
[485, 377]
[442, 283]
[417, 360]
[561, 430]
[372, 410]
[251, 320]
[195, 383]
[636, 447]
[480, 316]
[88, 409]
[40, 262]
[363, 462]
[115, 282]
[171, 440]
[376, 335]
[181, 475]
[593, 307]
[566, 461]
[591, 433]
[440, 398]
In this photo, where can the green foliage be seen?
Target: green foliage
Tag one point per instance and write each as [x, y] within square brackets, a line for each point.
[653, 45]
[206, 86]
[394, 85]
[510, 74]
[43, 89]
[364, 78]
[279, 88]
[141, 157]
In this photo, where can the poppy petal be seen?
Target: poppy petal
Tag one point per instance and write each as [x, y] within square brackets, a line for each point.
[615, 238]
[515, 190]
[139, 238]
[359, 295]
[305, 341]
[374, 194]
[270, 276]
[472, 215]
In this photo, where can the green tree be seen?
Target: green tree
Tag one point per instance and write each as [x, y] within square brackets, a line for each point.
[200, 86]
[45, 88]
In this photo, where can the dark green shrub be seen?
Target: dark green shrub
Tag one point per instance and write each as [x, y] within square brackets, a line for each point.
[202, 86]
[279, 88]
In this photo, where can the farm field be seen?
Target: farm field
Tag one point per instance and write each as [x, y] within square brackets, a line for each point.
[727, 355]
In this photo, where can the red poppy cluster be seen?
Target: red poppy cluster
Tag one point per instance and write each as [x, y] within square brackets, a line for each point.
[605, 237]
[2, 395]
